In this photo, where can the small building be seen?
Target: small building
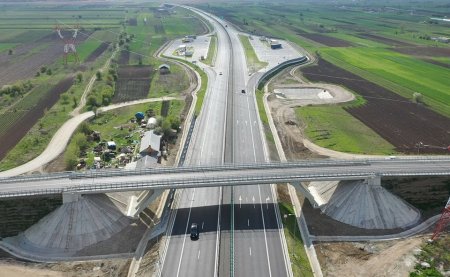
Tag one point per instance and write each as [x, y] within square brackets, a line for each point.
[187, 39]
[441, 39]
[182, 47]
[146, 162]
[111, 145]
[274, 44]
[150, 144]
[164, 69]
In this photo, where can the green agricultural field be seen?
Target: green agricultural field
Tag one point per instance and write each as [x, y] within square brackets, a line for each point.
[6, 46]
[385, 66]
[158, 30]
[332, 127]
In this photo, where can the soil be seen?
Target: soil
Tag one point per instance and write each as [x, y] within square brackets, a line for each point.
[133, 83]
[106, 268]
[429, 194]
[391, 258]
[57, 165]
[398, 120]
[446, 65]
[21, 127]
[326, 40]
[124, 57]
[148, 265]
[24, 64]
[132, 22]
[385, 40]
[424, 51]
[97, 52]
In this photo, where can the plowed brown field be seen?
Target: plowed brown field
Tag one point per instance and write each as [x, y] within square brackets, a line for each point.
[398, 120]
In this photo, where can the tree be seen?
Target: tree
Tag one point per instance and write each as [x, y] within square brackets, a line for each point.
[92, 101]
[75, 101]
[49, 71]
[10, 52]
[98, 75]
[95, 110]
[80, 77]
[43, 69]
[65, 98]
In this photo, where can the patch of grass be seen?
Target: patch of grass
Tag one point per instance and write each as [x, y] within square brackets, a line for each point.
[211, 51]
[299, 259]
[436, 254]
[332, 127]
[6, 46]
[170, 84]
[253, 63]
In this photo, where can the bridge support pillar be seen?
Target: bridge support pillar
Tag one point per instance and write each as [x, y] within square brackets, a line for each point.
[69, 197]
[374, 180]
[304, 190]
[138, 204]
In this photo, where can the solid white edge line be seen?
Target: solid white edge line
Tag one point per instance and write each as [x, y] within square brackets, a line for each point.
[216, 260]
[265, 234]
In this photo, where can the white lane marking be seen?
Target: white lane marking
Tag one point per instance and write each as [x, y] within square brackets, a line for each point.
[248, 222]
[185, 232]
[265, 234]
[198, 256]
[250, 249]
[251, 130]
[267, 202]
[253, 199]
[237, 122]
[240, 201]
[203, 224]
[246, 123]
[216, 260]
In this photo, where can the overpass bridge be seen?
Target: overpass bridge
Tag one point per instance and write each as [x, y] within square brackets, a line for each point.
[158, 179]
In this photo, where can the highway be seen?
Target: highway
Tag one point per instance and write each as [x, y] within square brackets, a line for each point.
[185, 257]
[227, 175]
[233, 204]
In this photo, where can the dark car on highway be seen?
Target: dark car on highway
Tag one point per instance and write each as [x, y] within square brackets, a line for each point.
[194, 231]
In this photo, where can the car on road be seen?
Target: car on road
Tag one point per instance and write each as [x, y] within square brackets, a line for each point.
[243, 91]
[194, 231]
[220, 73]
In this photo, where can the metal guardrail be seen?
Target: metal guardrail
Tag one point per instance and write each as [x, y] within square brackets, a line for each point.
[218, 181]
[305, 163]
[270, 73]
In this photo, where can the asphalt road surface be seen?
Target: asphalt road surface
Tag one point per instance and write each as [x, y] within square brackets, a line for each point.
[227, 131]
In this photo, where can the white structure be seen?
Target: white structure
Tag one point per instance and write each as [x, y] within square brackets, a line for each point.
[151, 123]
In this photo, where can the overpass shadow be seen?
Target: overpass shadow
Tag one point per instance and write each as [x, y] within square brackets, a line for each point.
[247, 217]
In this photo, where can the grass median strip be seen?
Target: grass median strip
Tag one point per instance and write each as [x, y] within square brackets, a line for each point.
[211, 51]
[253, 63]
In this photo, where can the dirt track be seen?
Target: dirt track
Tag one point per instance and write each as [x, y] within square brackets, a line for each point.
[398, 120]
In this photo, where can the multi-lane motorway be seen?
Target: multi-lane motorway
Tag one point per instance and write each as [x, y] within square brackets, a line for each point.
[235, 239]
